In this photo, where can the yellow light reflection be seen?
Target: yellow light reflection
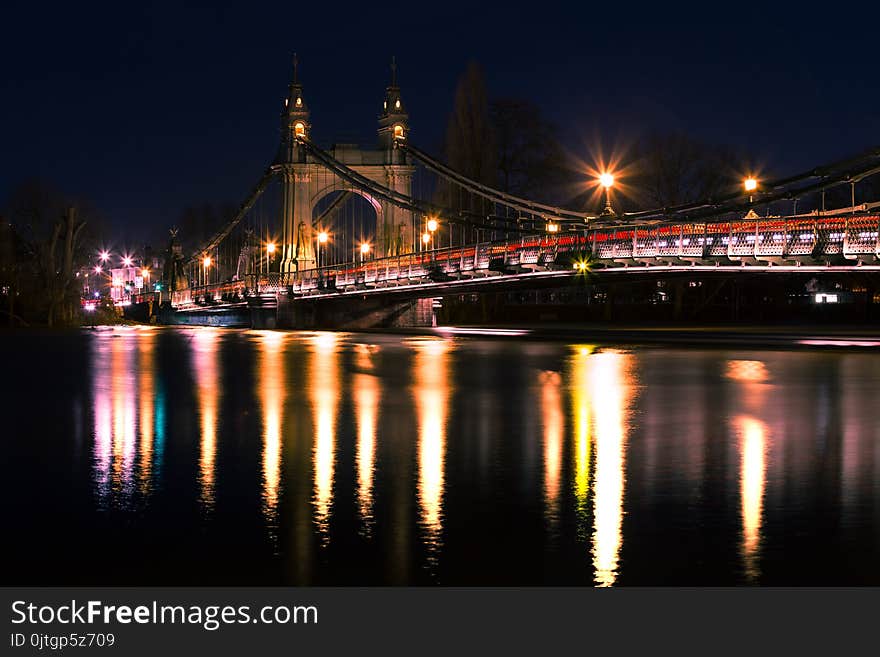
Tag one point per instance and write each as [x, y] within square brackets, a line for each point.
[609, 390]
[553, 423]
[270, 377]
[580, 412]
[366, 390]
[753, 437]
[753, 371]
[207, 394]
[146, 394]
[325, 389]
[431, 391]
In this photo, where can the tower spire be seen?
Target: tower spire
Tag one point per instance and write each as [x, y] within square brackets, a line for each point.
[393, 71]
[295, 69]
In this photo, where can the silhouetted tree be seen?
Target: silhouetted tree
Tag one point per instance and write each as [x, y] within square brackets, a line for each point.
[52, 246]
[674, 168]
[470, 146]
[531, 162]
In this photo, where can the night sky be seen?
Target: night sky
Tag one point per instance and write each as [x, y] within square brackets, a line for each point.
[147, 108]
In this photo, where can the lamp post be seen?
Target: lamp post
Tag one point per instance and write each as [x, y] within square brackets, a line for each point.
[750, 184]
[206, 263]
[322, 239]
[432, 225]
[270, 253]
[607, 181]
[365, 249]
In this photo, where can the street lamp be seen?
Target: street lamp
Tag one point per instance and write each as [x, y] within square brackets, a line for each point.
[750, 184]
[270, 251]
[206, 262]
[105, 256]
[432, 226]
[322, 239]
[606, 179]
[365, 249]
[127, 261]
[98, 269]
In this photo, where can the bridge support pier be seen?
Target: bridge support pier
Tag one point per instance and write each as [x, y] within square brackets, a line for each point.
[353, 313]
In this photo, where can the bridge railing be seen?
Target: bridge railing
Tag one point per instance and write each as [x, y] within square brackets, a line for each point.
[753, 239]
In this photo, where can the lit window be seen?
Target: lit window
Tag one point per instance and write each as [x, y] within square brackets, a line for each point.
[397, 104]
[385, 105]
[299, 101]
[299, 129]
[398, 132]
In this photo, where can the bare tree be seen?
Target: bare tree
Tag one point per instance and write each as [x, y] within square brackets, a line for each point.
[531, 162]
[674, 168]
[51, 230]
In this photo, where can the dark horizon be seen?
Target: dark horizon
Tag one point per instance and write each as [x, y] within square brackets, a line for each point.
[151, 109]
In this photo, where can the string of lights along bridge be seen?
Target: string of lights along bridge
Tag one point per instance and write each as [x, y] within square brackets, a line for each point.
[393, 220]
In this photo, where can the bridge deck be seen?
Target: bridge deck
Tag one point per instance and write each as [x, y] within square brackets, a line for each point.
[838, 243]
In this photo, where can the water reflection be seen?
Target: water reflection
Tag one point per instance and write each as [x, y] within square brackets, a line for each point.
[432, 387]
[271, 378]
[147, 396]
[103, 453]
[553, 423]
[753, 444]
[579, 385]
[366, 391]
[615, 467]
[123, 393]
[125, 404]
[325, 390]
[610, 391]
[204, 345]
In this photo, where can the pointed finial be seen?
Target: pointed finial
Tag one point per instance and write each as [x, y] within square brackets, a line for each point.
[393, 71]
[295, 71]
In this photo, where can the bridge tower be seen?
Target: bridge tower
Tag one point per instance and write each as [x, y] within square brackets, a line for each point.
[304, 181]
[395, 232]
[296, 212]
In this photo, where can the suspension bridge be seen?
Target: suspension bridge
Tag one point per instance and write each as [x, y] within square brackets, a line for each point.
[351, 237]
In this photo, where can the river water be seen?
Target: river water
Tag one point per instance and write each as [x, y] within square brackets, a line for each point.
[215, 456]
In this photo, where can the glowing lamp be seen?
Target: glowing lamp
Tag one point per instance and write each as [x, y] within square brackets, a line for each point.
[270, 247]
[432, 225]
[323, 237]
[206, 261]
[606, 180]
[365, 248]
[426, 237]
[750, 184]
